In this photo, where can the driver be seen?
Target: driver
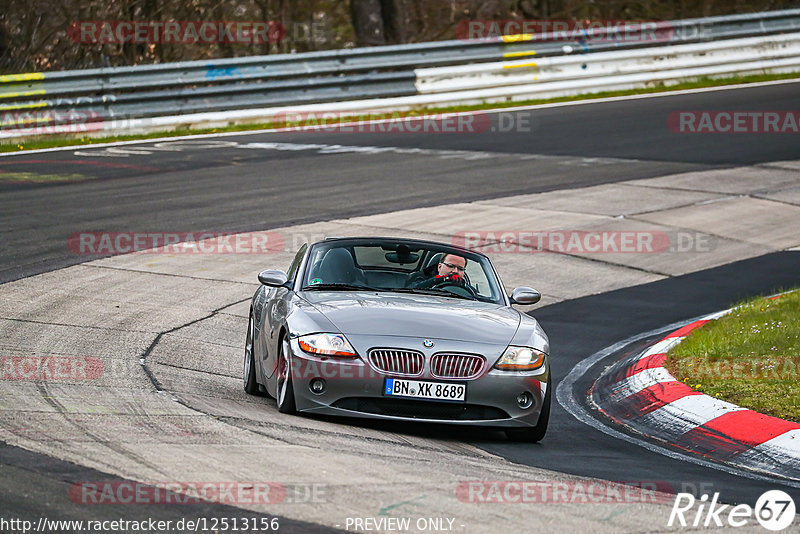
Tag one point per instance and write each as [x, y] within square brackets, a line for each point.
[451, 271]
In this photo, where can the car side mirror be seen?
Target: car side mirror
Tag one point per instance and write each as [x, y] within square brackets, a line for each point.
[272, 277]
[525, 295]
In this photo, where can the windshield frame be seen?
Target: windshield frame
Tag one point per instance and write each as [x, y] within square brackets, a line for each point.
[349, 242]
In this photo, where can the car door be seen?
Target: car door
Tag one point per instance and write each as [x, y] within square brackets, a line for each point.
[275, 311]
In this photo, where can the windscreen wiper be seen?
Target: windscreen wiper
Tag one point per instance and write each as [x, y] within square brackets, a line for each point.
[337, 287]
[428, 291]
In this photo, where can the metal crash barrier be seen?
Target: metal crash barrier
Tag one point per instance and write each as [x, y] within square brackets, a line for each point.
[513, 67]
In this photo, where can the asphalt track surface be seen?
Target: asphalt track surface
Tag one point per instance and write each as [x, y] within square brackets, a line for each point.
[242, 189]
[235, 189]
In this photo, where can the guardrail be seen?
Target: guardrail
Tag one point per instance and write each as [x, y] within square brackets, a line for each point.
[604, 71]
[192, 93]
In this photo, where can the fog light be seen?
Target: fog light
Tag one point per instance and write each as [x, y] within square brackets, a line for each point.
[525, 400]
[317, 386]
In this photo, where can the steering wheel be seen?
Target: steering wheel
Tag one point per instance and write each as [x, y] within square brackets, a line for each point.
[449, 285]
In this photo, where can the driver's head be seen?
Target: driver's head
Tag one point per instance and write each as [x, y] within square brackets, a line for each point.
[452, 264]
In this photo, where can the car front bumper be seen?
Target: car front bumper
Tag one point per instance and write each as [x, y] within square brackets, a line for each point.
[354, 388]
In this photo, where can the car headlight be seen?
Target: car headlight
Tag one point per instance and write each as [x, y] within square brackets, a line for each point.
[327, 345]
[521, 359]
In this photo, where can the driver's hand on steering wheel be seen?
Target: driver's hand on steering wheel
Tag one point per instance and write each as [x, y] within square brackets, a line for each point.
[455, 278]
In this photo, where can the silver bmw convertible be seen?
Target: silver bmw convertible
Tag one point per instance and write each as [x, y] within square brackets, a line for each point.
[398, 329]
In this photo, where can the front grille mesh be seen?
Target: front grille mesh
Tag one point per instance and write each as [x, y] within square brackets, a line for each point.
[446, 365]
[397, 361]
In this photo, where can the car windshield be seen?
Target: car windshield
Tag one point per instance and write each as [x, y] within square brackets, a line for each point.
[400, 266]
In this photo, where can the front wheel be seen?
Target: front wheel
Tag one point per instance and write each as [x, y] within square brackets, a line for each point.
[285, 387]
[536, 433]
[249, 372]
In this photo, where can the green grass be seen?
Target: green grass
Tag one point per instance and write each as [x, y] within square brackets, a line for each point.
[59, 140]
[750, 357]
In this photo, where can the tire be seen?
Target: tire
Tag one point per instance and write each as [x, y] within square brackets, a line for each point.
[285, 389]
[249, 371]
[536, 433]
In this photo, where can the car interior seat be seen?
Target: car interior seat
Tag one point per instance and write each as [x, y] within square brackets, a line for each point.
[338, 267]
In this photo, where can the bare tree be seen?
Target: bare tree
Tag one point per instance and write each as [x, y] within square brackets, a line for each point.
[36, 34]
[5, 53]
[368, 22]
[395, 15]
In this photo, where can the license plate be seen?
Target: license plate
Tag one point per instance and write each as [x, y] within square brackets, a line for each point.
[418, 389]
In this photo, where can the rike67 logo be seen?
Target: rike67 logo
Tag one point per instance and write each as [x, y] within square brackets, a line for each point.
[774, 510]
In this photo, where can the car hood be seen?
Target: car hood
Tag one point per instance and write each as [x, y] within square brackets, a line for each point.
[393, 314]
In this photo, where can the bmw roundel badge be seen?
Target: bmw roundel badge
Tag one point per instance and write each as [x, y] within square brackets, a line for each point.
[428, 343]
